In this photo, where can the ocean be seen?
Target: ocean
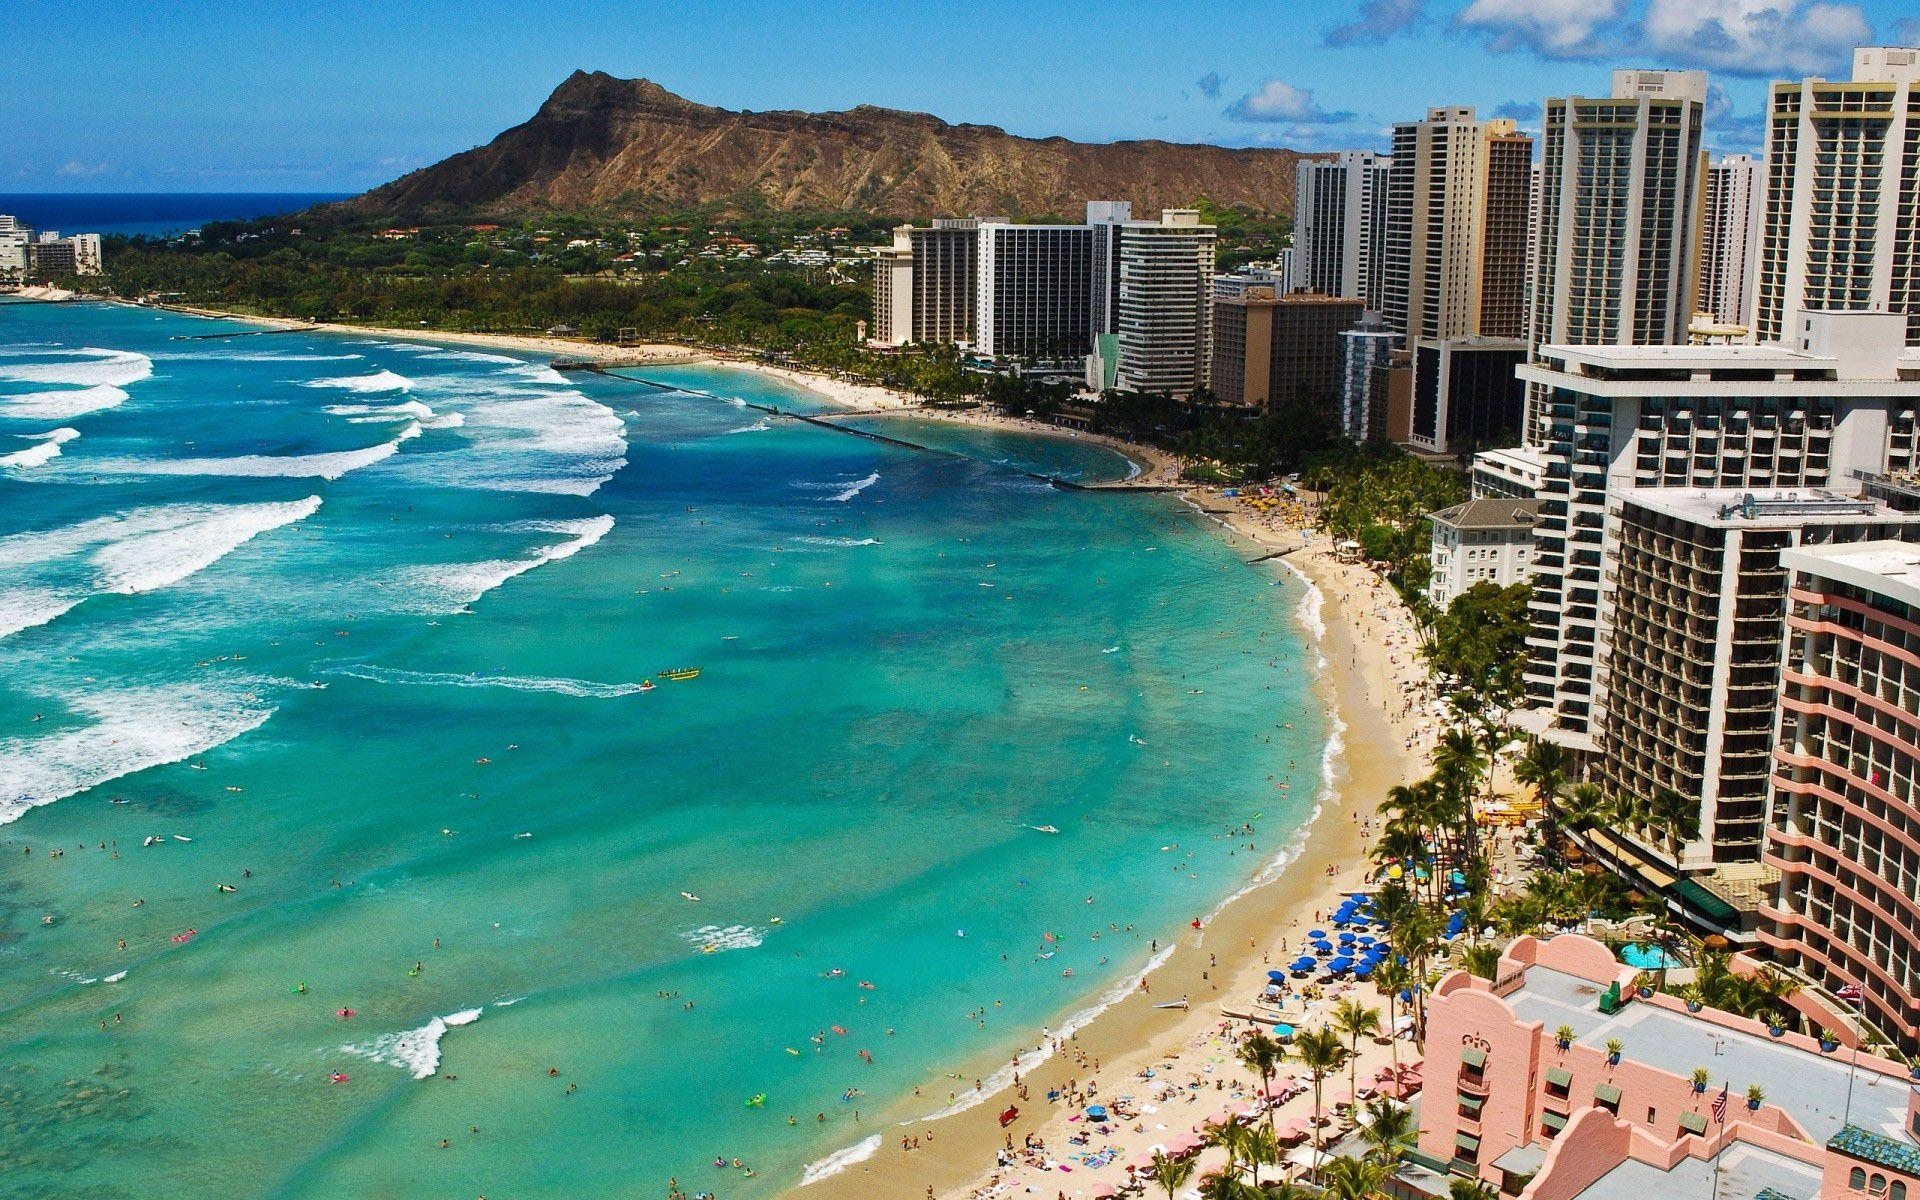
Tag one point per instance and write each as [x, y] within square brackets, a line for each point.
[324, 669]
[153, 214]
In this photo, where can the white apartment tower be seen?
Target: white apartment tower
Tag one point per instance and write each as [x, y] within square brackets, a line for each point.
[1727, 250]
[1165, 303]
[1620, 205]
[1340, 226]
[1838, 228]
[1456, 229]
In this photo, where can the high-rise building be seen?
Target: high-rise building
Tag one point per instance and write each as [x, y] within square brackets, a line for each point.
[893, 293]
[1845, 805]
[1362, 348]
[1838, 229]
[1106, 217]
[1271, 349]
[1340, 226]
[1035, 290]
[1693, 635]
[1465, 394]
[1456, 228]
[1620, 205]
[945, 280]
[1726, 253]
[1759, 418]
[1165, 304]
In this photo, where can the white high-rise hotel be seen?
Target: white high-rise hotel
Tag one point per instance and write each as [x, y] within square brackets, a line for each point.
[1732, 225]
[1340, 226]
[1839, 229]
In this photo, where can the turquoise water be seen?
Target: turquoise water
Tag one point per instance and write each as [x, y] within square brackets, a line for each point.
[369, 653]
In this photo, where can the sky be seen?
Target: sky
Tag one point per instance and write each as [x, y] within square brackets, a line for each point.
[289, 95]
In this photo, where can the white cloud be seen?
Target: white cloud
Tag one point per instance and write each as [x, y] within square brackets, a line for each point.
[76, 169]
[1280, 102]
[1551, 28]
[1757, 37]
[1377, 21]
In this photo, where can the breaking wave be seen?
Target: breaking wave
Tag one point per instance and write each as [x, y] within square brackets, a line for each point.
[46, 449]
[330, 465]
[451, 586]
[715, 938]
[379, 381]
[416, 1051]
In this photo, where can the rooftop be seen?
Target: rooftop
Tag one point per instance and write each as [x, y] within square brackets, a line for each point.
[1492, 513]
[1742, 508]
[1822, 1093]
[1741, 1170]
[1888, 568]
[1856, 1142]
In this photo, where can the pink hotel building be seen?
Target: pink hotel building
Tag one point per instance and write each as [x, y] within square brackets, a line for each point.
[1507, 1102]
[1845, 828]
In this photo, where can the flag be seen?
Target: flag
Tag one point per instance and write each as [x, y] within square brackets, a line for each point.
[1720, 1103]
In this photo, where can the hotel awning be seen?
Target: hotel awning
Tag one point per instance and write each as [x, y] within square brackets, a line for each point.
[1466, 1141]
[1553, 1120]
[1559, 1078]
[1606, 1093]
[1473, 1057]
[1709, 905]
[1472, 1104]
[1693, 1122]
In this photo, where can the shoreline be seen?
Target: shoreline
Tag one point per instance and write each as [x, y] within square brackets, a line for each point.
[1152, 467]
[1221, 965]
[1218, 967]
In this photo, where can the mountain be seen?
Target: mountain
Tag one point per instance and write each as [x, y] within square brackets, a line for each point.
[630, 145]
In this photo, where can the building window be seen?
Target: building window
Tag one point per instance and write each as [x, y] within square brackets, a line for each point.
[1857, 1178]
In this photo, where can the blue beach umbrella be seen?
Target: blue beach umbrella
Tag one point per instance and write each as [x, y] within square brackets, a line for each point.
[1316, 933]
[1277, 976]
[1283, 1031]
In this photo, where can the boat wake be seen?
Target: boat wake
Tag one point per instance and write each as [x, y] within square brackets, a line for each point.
[584, 688]
[417, 1051]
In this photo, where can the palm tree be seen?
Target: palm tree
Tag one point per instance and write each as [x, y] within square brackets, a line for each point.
[1320, 1052]
[1171, 1176]
[1263, 1055]
[1482, 960]
[1356, 1021]
[1231, 1136]
[1543, 767]
[1468, 1189]
[1389, 1130]
[1354, 1178]
[1391, 977]
[1261, 1148]
[1675, 816]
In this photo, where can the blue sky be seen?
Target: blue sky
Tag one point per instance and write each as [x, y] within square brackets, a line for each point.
[276, 95]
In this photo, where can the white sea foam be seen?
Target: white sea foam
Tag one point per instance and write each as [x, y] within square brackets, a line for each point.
[840, 1160]
[446, 586]
[330, 465]
[536, 433]
[46, 449]
[472, 356]
[759, 426]
[250, 356]
[836, 541]
[63, 405]
[116, 977]
[382, 412]
[130, 730]
[416, 1051]
[715, 938]
[379, 381]
[137, 551]
[116, 368]
[584, 688]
